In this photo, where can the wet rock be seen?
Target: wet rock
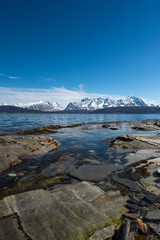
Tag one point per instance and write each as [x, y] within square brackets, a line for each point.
[58, 168]
[136, 141]
[92, 161]
[132, 207]
[143, 203]
[113, 128]
[146, 128]
[94, 173]
[132, 185]
[103, 234]
[141, 155]
[124, 232]
[151, 198]
[106, 125]
[46, 129]
[43, 214]
[12, 149]
[158, 172]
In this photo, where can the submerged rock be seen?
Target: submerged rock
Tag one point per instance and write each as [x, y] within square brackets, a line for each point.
[12, 149]
[73, 212]
[94, 173]
[46, 129]
[146, 128]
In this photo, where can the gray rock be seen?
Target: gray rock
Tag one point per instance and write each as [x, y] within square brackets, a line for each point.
[94, 172]
[155, 227]
[137, 141]
[58, 168]
[146, 128]
[132, 185]
[72, 212]
[153, 215]
[10, 229]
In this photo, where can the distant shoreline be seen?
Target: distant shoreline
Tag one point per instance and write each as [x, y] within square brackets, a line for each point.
[112, 110]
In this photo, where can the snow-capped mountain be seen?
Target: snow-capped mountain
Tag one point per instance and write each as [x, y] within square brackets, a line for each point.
[42, 106]
[100, 103]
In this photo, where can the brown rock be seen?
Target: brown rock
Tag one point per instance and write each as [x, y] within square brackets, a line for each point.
[12, 149]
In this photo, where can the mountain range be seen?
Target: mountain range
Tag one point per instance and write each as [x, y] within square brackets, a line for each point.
[86, 104]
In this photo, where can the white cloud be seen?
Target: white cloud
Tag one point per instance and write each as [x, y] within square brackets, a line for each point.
[10, 77]
[60, 95]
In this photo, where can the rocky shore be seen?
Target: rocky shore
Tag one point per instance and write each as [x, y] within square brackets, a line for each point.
[81, 199]
[12, 149]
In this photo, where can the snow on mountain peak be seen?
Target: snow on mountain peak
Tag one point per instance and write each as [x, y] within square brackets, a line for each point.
[99, 103]
[42, 106]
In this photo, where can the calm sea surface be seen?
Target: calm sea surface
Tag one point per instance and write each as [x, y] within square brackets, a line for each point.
[26, 121]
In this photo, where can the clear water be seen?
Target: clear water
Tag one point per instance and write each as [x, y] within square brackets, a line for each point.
[89, 141]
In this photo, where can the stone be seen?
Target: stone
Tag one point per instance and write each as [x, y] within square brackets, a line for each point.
[158, 172]
[13, 149]
[94, 173]
[46, 129]
[136, 141]
[58, 168]
[72, 212]
[113, 128]
[10, 229]
[12, 174]
[146, 128]
[132, 185]
[141, 155]
[155, 227]
[103, 234]
[106, 125]
[153, 215]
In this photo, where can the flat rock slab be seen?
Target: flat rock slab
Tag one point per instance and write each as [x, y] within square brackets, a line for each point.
[132, 185]
[140, 155]
[146, 128]
[46, 129]
[137, 141]
[94, 173]
[14, 148]
[153, 215]
[72, 212]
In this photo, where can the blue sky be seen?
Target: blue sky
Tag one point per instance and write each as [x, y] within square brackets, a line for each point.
[62, 50]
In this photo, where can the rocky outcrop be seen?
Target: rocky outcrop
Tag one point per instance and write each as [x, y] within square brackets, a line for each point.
[136, 141]
[46, 129]
[12, 149]
[146, 128]
[73, 212]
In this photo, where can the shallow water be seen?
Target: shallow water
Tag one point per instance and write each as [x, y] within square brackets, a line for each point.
[87, 142]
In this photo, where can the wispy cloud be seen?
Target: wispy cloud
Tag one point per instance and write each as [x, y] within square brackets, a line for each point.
[60, 95]
[10, 77]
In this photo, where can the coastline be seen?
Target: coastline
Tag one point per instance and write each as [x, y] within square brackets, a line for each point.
[129, 191]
